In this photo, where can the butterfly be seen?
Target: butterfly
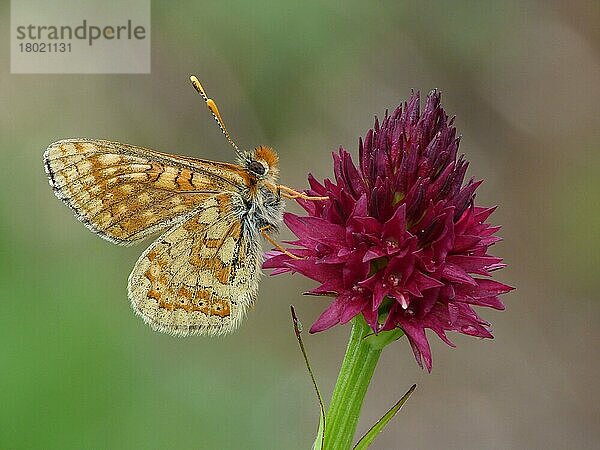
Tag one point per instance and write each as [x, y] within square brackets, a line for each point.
[200, 276]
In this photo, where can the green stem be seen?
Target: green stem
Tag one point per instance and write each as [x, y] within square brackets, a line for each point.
[353, 381]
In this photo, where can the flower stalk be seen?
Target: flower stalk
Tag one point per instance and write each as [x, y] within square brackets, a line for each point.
[354, 378]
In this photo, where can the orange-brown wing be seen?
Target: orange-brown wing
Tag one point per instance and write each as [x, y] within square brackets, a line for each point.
[124, 193]
[201, 275]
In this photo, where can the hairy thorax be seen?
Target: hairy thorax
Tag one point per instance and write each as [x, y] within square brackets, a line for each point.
[264, 210]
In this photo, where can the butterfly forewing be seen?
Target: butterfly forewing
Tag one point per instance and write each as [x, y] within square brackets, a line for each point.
[124, 192]
[201, 275]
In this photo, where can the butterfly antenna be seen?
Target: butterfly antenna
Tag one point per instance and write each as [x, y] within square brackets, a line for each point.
[212, 106]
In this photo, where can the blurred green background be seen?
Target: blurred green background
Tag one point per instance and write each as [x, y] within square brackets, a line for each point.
[79, 370]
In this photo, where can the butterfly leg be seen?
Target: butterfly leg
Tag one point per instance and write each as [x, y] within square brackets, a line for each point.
[273, 242]
[292, 194]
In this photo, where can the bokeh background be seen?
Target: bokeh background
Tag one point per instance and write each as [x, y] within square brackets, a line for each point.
[78, 370]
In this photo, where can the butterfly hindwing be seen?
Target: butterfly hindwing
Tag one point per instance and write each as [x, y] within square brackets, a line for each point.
[124, 193]
[201, 275]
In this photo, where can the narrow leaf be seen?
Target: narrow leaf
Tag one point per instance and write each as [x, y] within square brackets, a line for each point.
[318, 444]
[370, 435]
[319, 441]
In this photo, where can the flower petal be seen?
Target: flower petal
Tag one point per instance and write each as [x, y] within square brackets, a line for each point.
[418, 341]
[329, 317]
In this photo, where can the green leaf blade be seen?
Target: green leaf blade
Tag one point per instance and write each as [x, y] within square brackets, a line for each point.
[370, 435]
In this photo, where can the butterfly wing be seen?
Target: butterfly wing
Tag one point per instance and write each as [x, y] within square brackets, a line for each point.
[124, 193]
[201, 275]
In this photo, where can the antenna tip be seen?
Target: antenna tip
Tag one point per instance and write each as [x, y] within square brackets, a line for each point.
[197, 85]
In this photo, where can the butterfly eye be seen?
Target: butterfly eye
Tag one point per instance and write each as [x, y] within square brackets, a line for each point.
[257, 168]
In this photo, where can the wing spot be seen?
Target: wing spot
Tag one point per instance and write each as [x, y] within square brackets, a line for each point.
[109, 158]
[209, 215]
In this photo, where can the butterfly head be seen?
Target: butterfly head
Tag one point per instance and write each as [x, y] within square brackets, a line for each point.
[263, 163]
